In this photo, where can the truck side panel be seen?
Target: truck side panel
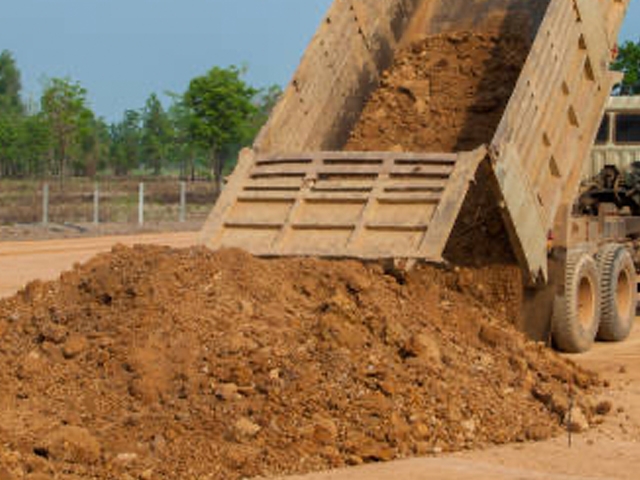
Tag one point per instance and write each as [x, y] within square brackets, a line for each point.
[354, 44]
[550, 123]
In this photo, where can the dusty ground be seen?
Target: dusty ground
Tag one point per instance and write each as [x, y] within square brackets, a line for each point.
[21, 262]
[55, 231]
[610, 451]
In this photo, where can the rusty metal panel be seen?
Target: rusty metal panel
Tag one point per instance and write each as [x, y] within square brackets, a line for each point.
[335, 204]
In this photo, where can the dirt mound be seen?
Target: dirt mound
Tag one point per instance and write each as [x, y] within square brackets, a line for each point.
[154, 363]
[444, 93]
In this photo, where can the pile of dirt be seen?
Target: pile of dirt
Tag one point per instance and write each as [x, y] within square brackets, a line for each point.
[152, 363]
[444, 93]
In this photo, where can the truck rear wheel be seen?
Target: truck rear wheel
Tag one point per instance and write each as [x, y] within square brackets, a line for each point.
[618, 285]
[576, 312]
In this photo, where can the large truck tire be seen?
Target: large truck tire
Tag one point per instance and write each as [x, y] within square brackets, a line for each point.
[576, 312]
[619, 294]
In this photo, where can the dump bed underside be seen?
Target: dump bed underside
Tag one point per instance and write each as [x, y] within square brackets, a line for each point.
[364, 205]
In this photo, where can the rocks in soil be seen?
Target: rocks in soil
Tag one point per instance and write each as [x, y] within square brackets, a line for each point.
[5, 475]
[74, 346]
[576, 421]
[604, 407]
[71, 444]
[39, 476]
[538, 432]
[227, 392]
[424, 347]
[245, 429]
[3, 327]
[324, 431]
[335, 363]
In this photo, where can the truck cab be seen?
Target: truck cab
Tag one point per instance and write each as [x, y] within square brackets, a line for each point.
[618, 140]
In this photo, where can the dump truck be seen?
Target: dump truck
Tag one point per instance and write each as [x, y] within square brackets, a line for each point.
[618, 139]
[612, 176]
[297, 192]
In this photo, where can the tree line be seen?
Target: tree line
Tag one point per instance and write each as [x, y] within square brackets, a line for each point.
[60, 136]
[628, 62]
[201, 131]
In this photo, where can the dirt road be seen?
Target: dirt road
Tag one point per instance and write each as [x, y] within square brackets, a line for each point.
[611, 451]
[21, 262]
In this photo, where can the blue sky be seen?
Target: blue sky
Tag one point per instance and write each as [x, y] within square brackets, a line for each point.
[123, 50]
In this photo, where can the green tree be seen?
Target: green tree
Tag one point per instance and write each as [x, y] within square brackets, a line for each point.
[222, 107]
[63, 104]
[104, 144]
[182, 149]
[628, 62]
[155, 134]
[88, 148]
[8, 146]
[11, 111]
[34, 144]
[24, 145]
[10, 85]
[125, 143]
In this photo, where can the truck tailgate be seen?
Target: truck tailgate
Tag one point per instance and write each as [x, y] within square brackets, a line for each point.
[343, 204]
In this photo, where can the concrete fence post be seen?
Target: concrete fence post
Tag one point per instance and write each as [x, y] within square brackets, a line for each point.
[141, 204]
[96, 204]
[183, 202]
[45, 204]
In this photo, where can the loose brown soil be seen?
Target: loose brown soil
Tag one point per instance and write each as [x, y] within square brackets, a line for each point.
[445, 93]
[149, 362]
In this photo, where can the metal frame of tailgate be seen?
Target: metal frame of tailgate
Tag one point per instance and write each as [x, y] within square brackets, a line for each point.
[343, 204]
[550, 122]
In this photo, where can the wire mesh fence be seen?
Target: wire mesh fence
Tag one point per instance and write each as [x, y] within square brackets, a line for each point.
[105, 201]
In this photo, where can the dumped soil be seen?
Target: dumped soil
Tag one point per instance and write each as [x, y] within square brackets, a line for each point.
[153, 363]
[479, 236]
[445, 93]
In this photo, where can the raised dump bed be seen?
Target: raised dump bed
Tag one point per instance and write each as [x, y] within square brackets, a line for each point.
[297, 193]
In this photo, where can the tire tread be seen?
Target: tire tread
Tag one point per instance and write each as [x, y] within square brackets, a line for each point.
[611, 327]
[568, 334]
